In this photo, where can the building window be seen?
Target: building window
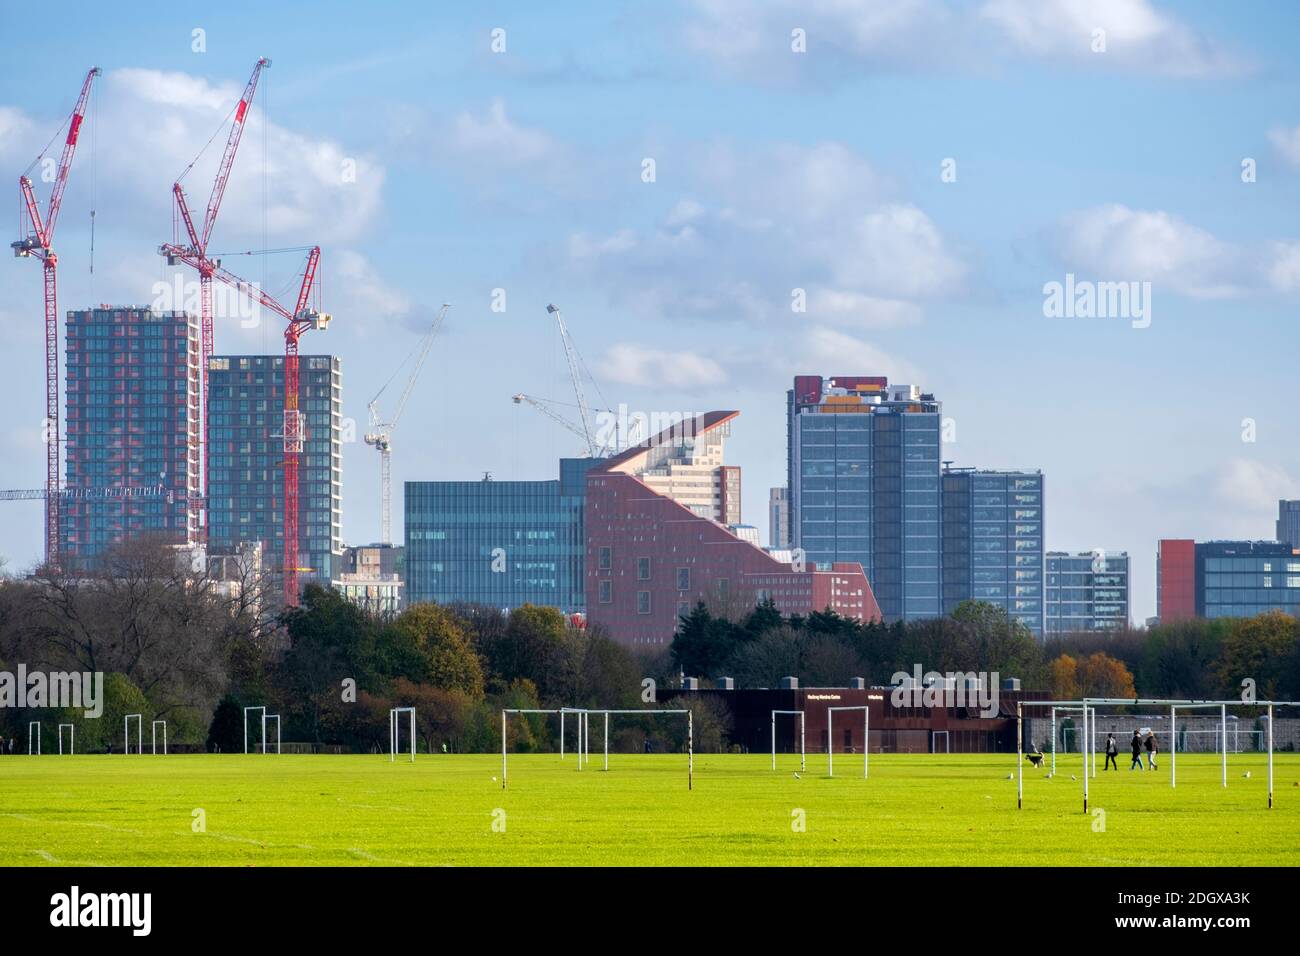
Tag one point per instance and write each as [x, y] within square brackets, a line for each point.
[606, 592]
[724, 587]
[683, 579]
[643, 569]
[604, 560]
[643, 602]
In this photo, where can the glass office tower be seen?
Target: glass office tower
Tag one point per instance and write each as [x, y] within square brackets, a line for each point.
[131, 421]
[863, 469]
[499, 543]
[993, 542]
[1087, 591]
[246, 474]
[1245, 578]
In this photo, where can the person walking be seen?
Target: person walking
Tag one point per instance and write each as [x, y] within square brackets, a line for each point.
[1136, 745]
[1152, 748]
[1112, 751]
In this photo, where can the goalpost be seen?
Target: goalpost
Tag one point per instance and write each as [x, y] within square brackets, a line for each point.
[1088, 706]
[584, 734]
[153, 736]
[139, 734]
[395, 733]
[37, 725]
[934, 741]
[830, 737]
[265, 717]
[803, 729]
[72, 739]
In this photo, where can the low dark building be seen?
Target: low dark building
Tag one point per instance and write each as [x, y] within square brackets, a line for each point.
[914, 728]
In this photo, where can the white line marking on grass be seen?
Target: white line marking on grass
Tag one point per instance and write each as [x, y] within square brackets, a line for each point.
[370, 857]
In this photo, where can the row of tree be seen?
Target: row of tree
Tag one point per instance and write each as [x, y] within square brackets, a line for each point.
[194, 651]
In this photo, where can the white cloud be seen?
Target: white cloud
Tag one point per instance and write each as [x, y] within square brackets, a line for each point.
[1117, 243]
[629, 363]
[360, 296]
[493, 138]
[1287, 143]
[1282, 266]
[15, 130]
[831, 349]
[1254, 486]
[752, 227]
[1137, 35]
[845, 37]
[316, 190]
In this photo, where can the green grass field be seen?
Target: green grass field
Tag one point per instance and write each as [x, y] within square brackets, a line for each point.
[363, 810]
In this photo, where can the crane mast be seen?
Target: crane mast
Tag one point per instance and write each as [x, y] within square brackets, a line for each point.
[380, 431]
[38, 241]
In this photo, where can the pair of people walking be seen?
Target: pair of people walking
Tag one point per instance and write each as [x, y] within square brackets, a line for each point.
[1137, 745]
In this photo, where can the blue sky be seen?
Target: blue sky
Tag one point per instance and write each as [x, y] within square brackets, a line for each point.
[774, 171]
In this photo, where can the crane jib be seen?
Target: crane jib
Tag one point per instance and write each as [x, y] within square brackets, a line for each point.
[74, 128]
[242, 109]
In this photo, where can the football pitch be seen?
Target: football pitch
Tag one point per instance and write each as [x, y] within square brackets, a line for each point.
[949, 810]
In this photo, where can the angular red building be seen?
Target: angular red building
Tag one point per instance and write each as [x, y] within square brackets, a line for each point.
[649, 559]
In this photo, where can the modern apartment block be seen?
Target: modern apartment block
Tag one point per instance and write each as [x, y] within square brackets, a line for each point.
[863, 472]
[1087, 591]
[651, 558]
[131, 421]
[685, 463]
[778, 519]
[993, 542]
[1288, 522]
[371, 577]
[246, 473]
[499, 543]
[1214, 579]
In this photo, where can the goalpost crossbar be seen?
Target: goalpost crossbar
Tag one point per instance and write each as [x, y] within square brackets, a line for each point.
[830, 737]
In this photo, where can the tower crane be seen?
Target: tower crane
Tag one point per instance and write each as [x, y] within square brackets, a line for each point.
[38, 241]
[614, 443]
[380, 430]
[571, 356]
[192, 248]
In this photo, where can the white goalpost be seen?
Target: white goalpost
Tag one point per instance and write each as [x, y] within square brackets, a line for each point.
[37, 725]
[1088, 739]
[934, 741]
[830, 737]
[583, 722]
[139, 734]
[72, 739]
[265, 718]
[803, 732]
[153, 736]
[394, 731]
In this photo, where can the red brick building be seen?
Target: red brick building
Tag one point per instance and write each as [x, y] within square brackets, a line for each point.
[649, 559]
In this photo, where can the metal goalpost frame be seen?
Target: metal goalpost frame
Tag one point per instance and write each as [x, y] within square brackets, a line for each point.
[395, 732]
[139, 734]
[246, 710]
[934, 741]
[803, 734]
[153, 737]
[276, 718]
[72, 739]
[584, 735]
[37, 725]
[1067, 710]
[830, 737]
[525, 710]
[1088, 704]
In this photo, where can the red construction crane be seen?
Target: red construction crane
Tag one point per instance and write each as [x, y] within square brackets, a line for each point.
[195, 253]
[38, 241]
[303, 317]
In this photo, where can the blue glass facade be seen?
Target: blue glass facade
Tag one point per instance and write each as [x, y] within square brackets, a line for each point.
[864, 473]
[246, 476]
[993, 542]
[1087, 591]
[1245, 578]
[499, 543]
[131, 420]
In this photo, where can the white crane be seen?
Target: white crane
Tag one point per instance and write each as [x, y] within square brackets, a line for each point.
[571, 355]
[614, 443]
[380, 430]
